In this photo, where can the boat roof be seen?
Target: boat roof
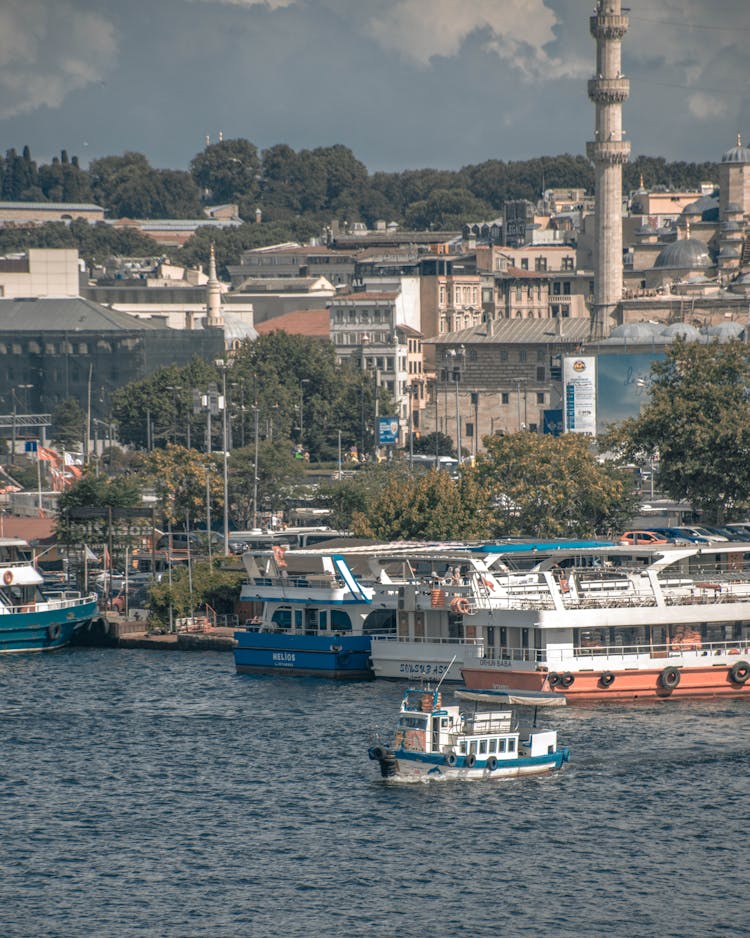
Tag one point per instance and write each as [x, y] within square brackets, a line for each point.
[516, 698]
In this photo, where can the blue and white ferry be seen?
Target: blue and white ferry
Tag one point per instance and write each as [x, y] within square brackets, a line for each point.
[32, 620]
[317, 616]
[500, 740]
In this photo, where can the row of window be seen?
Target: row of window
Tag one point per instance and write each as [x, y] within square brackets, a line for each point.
[365, 316]
[32, 347]
[483, 747]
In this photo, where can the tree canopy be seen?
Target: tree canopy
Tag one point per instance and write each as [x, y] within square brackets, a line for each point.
[696, 425]
[545, 486]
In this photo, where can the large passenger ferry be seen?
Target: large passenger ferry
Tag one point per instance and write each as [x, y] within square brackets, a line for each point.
[32, 620]
[624, 623]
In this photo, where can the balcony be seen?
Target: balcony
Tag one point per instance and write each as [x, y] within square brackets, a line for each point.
[609, 90]
[608, 151]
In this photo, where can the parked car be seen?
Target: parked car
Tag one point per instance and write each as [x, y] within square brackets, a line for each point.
[643, 538]
[701, 533]
[672, 535]
[740, 527]
[727, 533]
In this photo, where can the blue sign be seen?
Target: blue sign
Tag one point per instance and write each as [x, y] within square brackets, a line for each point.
[30, 446]
[387, 431]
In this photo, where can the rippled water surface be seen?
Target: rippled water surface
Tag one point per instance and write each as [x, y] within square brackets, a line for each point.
[159, 793]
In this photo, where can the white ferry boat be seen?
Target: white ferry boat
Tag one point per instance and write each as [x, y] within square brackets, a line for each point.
[622, 623]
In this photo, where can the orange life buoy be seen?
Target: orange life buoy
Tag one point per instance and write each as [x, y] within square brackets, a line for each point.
[8, 577]
[461, 605]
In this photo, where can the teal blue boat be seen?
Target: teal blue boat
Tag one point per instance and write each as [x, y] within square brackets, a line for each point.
[32, 619]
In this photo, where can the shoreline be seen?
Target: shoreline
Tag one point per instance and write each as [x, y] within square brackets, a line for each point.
[108, 631]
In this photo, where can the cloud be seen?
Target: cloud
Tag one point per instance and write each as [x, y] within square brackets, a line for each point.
[517, 31]
[49, 49]
[707, 106]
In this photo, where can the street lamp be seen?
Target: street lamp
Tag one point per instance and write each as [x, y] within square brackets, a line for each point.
[302, 383]
[223, 365]
[458, 356]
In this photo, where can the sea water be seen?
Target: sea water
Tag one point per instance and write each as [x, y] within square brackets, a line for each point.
[159, 793]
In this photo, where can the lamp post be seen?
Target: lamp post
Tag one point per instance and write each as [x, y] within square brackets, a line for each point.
[223, 365]
[457, 355]
[255, 466]
[302, 383]
[208, 510]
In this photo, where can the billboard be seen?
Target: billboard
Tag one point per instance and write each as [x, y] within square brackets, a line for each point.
[579, 389]
[387, 431]
[623, 385]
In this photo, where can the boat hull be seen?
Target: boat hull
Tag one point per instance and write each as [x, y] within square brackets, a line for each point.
[403, 660]
[693, 682]
[45, 629]
[405, 766]
[329, 656]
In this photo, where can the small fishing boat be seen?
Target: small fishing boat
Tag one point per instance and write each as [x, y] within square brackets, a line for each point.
[498, 738]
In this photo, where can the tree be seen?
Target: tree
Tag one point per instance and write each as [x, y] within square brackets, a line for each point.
[68, 424]
[228, 170]
[697, 422]
[278, 474]
[97, 492]
[425, 506]
[426, 445]
[545, 486]
[220, 589]
[180, 477]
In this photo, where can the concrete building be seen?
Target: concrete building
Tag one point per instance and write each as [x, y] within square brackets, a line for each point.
[39, 213]
[41, 272]
[608, 151]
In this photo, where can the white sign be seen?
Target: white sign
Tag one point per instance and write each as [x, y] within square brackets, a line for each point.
[579, 382]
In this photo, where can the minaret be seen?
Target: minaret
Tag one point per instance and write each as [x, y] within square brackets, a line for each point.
[607, 152]
[214, 319]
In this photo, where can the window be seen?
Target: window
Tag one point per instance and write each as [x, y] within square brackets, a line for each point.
[524, 263]
[556, 288]
[503, 355]
[566, 287]
[540, 396]
[340, 621]
[493, 745]
[567, 263]
[472, 354]
[505, 397]
[540, 263]
[555, 309]
[482, 747]
[501, 745]
[540, 376]
[469, 430]
[522, 355]
[565, 311]
[511, 745]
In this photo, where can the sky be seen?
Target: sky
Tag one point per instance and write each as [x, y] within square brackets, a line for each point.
[405, 84]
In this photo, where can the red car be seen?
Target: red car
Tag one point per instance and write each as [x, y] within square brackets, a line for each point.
[644, 538]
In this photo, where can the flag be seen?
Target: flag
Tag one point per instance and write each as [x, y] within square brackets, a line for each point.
[107, 559]
[89, 554]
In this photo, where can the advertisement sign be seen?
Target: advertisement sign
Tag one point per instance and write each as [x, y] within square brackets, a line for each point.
[623, 385]
[579, 383]
[387, 431]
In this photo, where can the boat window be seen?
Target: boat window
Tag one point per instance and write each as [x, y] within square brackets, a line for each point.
[501, 745]
[493, 745]
[298, 618]
[511, 745]
[282, 618]
[462, 746]
[413, 722]
[482, 747]
[473, 746]
[340, 621]
[323, 620]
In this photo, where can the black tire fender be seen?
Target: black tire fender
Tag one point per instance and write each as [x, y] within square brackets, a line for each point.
[471, 760]
[553, 678]
[492, 763]
[451, 758]
[567, 679]
[739, 672]
[669, 678]
[53, 632]
[606, 679]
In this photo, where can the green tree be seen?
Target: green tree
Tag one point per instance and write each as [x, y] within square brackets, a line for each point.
[68, 424]
[425, 445]
[181, 478]
[228, 170]
[545, 486]
[96, 492]
[697, 422]
[279, 475]
[425, 506]
[206, 584]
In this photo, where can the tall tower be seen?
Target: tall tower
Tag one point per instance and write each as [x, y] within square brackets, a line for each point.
[608, 151]
[214, 317]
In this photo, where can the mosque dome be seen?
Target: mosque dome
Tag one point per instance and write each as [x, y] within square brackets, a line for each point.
[701, 206]
[738, 154]
[686, 254]
[237, 330]
[730, 251]
[682, 329]
[725, 330]
[635, 331]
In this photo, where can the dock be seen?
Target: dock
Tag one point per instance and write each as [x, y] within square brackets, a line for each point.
[112, 631]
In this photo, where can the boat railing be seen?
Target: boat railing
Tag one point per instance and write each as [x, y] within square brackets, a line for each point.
[68, 599]
[424, 639]
[302, 581]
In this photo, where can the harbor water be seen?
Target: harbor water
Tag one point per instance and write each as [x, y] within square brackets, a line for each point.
[159, 793]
